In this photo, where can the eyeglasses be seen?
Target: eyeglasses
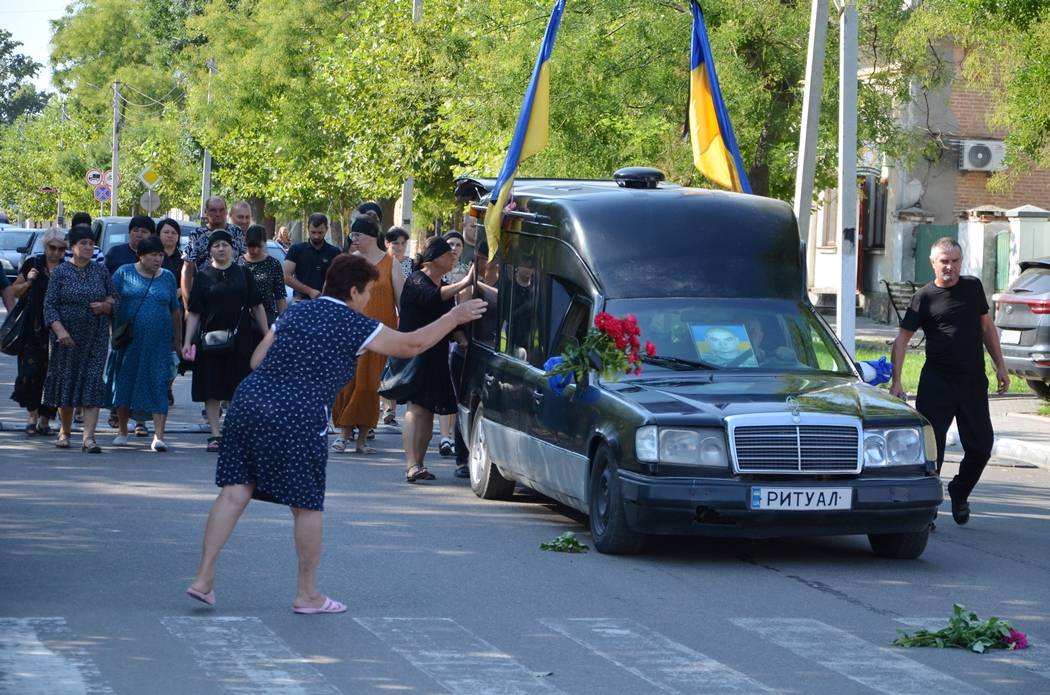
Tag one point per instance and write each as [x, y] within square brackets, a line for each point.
[55, 247]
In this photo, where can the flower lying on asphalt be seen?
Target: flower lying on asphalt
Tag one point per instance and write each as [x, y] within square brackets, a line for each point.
[565, 543]
[965, 631]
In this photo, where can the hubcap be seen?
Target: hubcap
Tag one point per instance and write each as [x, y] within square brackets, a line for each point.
[478, 454]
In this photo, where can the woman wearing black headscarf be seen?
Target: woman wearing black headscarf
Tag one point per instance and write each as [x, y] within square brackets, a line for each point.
[223, 295]
[426, 298]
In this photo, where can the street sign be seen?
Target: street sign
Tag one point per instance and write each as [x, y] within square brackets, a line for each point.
[150, 200]
[107, 178]
[103, 193]
[150, 177]
[93, 177]
[48, 189]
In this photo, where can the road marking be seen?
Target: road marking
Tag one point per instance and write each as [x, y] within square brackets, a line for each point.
[1034, 658]
[670, 666]
[879, 668]
[30, 667]
[454, 657]
[245, 656]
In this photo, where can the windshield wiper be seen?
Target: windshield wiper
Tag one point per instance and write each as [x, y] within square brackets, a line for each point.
[678, 364]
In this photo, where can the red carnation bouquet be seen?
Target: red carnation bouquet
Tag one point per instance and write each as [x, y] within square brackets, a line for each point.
[612, 347]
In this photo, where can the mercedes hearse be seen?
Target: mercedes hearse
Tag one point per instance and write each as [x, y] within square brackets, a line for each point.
[750, 420]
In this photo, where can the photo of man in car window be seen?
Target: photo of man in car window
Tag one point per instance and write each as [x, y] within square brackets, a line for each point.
[724, 346]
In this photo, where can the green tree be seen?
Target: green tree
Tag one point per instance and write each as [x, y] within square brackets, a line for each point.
[18, 96]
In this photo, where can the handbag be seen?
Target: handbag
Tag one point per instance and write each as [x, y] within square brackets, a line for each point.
[401, 377]
[12, 333]
[224, 341]
[123, 334]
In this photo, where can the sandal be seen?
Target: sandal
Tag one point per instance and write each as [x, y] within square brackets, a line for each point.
[339, 445]
[113, 421]
[371, 433]
[31, 430]
[365, 450]
[63, 441]
[213, 444]
[78, 418]
[418, 473]
[140, 430]
[43, 430]
[91, 447]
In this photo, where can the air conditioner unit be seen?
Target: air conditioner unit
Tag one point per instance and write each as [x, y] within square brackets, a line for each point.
[981, 155]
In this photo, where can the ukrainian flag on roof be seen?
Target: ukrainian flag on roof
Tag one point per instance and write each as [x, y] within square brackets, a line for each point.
[530, 135]
[715, 152]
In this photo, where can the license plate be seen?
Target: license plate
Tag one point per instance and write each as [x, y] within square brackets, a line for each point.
[1010, 337]
[801, 499]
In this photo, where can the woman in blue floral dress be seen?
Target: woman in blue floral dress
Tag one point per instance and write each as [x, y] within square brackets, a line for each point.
[137, 376]
[275, 441]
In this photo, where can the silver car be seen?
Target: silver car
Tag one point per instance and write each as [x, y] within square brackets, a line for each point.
[1023, 318]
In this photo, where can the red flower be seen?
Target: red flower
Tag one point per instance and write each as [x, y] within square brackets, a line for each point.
[620, 341]
[632, 358]
[638, 369]
[630, 325]
[633, 340]
[650, 349]
[601, 320]
[613, 327]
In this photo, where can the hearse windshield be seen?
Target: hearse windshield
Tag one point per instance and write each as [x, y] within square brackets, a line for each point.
[720, 334]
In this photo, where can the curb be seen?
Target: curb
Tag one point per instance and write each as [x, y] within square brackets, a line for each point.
[106, 429]
[1017, 449]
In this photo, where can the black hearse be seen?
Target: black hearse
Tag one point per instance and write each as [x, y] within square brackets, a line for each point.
[750, 421]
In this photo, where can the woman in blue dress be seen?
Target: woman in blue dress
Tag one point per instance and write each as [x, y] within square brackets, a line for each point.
[275, 441]
[137, 376]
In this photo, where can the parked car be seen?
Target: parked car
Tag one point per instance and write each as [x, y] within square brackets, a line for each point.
[1023, 318]
[11, 240]
[784, 441]
[110, 231]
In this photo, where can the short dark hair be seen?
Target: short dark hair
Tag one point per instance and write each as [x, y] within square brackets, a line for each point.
[79, 219]
[347, 272]
[255, 235]
[168, 221]
[395, 233]
[316, 219]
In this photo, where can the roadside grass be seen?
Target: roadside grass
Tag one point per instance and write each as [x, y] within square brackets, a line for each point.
[1044, 410]
[913, 368]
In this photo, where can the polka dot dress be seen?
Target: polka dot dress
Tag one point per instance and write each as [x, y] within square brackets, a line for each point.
[276, 431]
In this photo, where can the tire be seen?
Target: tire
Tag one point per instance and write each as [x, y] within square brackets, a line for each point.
[899, 546]
[609, 528]
[1039, 388]
[485, 479]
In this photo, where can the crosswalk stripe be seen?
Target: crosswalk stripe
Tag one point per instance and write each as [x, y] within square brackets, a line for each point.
[245, 656]
[454, 657]
[670, 666]
[877, 667]
[29, 667]
[1035, 658]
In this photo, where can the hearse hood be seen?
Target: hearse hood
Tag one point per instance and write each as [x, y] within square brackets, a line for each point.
[705, 399]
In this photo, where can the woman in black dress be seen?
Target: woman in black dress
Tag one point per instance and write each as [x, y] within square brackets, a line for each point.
[31, 287]
[223, 295]
[170, 234]
[424, 299]
[269, 277]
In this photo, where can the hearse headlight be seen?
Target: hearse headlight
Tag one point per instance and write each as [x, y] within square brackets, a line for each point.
[646, 446]
[894, 447]
[690, 447]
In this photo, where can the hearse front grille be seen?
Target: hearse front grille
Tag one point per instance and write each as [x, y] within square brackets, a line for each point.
[791, 448]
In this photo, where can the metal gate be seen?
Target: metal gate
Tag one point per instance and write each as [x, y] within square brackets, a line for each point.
[1002, 261]
[926, 234]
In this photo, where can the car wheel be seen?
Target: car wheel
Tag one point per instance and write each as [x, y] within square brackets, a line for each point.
[609, 528]
[899, 546]
[485, 479]
[1039, 388]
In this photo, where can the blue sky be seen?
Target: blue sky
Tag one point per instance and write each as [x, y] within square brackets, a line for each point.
[28, 23]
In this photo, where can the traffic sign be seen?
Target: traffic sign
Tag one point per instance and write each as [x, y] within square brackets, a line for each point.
[103, 193]
[150, 177]
[150, 200]
[93, 177]
[107, 178]
[48, 189]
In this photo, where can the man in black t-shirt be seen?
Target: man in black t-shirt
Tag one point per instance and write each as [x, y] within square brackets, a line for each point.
[953, 313]
[307, 262]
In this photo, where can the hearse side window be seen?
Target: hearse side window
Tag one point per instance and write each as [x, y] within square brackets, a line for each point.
[486, 286]
[523, 290]
[569, 316]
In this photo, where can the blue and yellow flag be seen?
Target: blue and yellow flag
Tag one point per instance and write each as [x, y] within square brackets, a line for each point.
[530, 135]
[715, 152]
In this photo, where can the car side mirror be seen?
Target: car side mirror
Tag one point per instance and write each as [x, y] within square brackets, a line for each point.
[22, 249]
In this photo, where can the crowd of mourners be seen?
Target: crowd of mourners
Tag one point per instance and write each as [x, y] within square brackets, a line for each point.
[110, 333]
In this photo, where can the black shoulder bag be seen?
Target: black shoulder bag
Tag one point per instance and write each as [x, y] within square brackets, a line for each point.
[123, 334]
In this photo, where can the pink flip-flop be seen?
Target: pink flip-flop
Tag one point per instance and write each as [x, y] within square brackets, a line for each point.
[208, 598]
[329, 606]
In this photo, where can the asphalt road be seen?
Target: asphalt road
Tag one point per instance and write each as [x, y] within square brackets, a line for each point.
[449, 593]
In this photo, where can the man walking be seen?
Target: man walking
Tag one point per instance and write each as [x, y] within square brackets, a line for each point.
[953, 313]
[307, 262]
[197, 243]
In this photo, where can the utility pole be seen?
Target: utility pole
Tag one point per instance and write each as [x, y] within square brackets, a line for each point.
[846, 220]
[206, 178]
[116, 146]
[807, 144]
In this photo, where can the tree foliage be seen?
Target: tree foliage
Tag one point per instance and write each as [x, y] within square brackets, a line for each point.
[18, 96]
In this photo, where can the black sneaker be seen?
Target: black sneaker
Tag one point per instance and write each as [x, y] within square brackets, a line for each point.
[446, 448]
[960, 508]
